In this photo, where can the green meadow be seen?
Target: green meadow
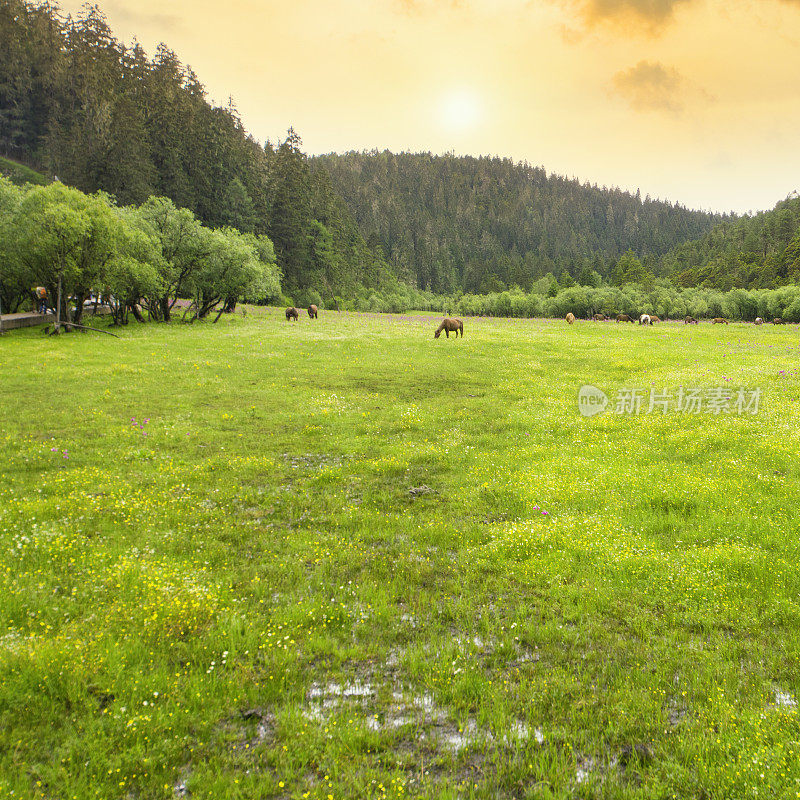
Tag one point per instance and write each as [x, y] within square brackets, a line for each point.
[341, 559]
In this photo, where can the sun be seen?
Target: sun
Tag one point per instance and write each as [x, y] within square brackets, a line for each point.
[460, 109]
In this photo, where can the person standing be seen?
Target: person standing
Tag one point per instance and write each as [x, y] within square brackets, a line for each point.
[41, 299]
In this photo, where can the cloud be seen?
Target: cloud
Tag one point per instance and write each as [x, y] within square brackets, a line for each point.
[651, 86]
[648, 15]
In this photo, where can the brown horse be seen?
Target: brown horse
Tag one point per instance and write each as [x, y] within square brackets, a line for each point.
[599, 317]
[719, 321]
[292, 313]
[312, 311]
[777, 321]
[450, 325]
[570, 318]
[654, 318]
[624, 318]
[689, 321]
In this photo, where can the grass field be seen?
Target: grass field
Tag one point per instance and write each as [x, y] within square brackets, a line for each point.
[340, 559]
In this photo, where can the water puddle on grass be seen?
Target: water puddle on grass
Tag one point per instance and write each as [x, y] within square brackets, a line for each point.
[584, 769]
[520, 732]
[431, 723]
[785, 700]
[336, 690]
[180, 788]
[457, 739]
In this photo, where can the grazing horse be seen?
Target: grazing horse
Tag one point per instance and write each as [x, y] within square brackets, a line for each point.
[645, 320]
[777, 321]
[625, 318]
[689, 321]
[719, 321]
[759, 321]
[312, 311]
[450, 324]
[654, 318]
[599, 317]
[570, 318]
[292, 313]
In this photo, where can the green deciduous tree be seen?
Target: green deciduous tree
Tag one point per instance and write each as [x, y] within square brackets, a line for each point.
[183, 245]
[16, 276]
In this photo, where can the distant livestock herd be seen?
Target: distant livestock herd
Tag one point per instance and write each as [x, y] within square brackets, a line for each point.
[452, 325]
[650, 319]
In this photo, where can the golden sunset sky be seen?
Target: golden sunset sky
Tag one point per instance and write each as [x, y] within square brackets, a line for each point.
[695, 101]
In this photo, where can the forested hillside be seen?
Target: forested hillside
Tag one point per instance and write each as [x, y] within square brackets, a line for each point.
[100, 115]
[480, 224]
[758, 252]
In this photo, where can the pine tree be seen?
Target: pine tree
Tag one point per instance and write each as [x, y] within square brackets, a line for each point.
[290, 214]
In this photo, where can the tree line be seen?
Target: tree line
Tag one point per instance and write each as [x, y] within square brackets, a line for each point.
[139, 259]
[663, 299]
[143, 259]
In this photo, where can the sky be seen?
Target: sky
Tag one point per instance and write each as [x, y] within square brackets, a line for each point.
[693, 101]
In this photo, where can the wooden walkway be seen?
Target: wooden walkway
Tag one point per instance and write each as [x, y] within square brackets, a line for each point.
[30, 318]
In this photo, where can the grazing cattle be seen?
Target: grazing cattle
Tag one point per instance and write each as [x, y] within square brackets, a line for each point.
[292, 313]
[312, 311]
[599, 317]
[625, 318]
[689, 321]
[450, 325]
[570, 318]
[759, 321]
[719, 321]
[645, 320]
[777, 321]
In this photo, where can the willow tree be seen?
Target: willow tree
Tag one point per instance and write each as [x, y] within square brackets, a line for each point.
[236, 266]
[183, 245]
[68, 241]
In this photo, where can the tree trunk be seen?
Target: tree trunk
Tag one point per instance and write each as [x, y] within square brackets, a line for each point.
[80, 297]
[58, 307]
